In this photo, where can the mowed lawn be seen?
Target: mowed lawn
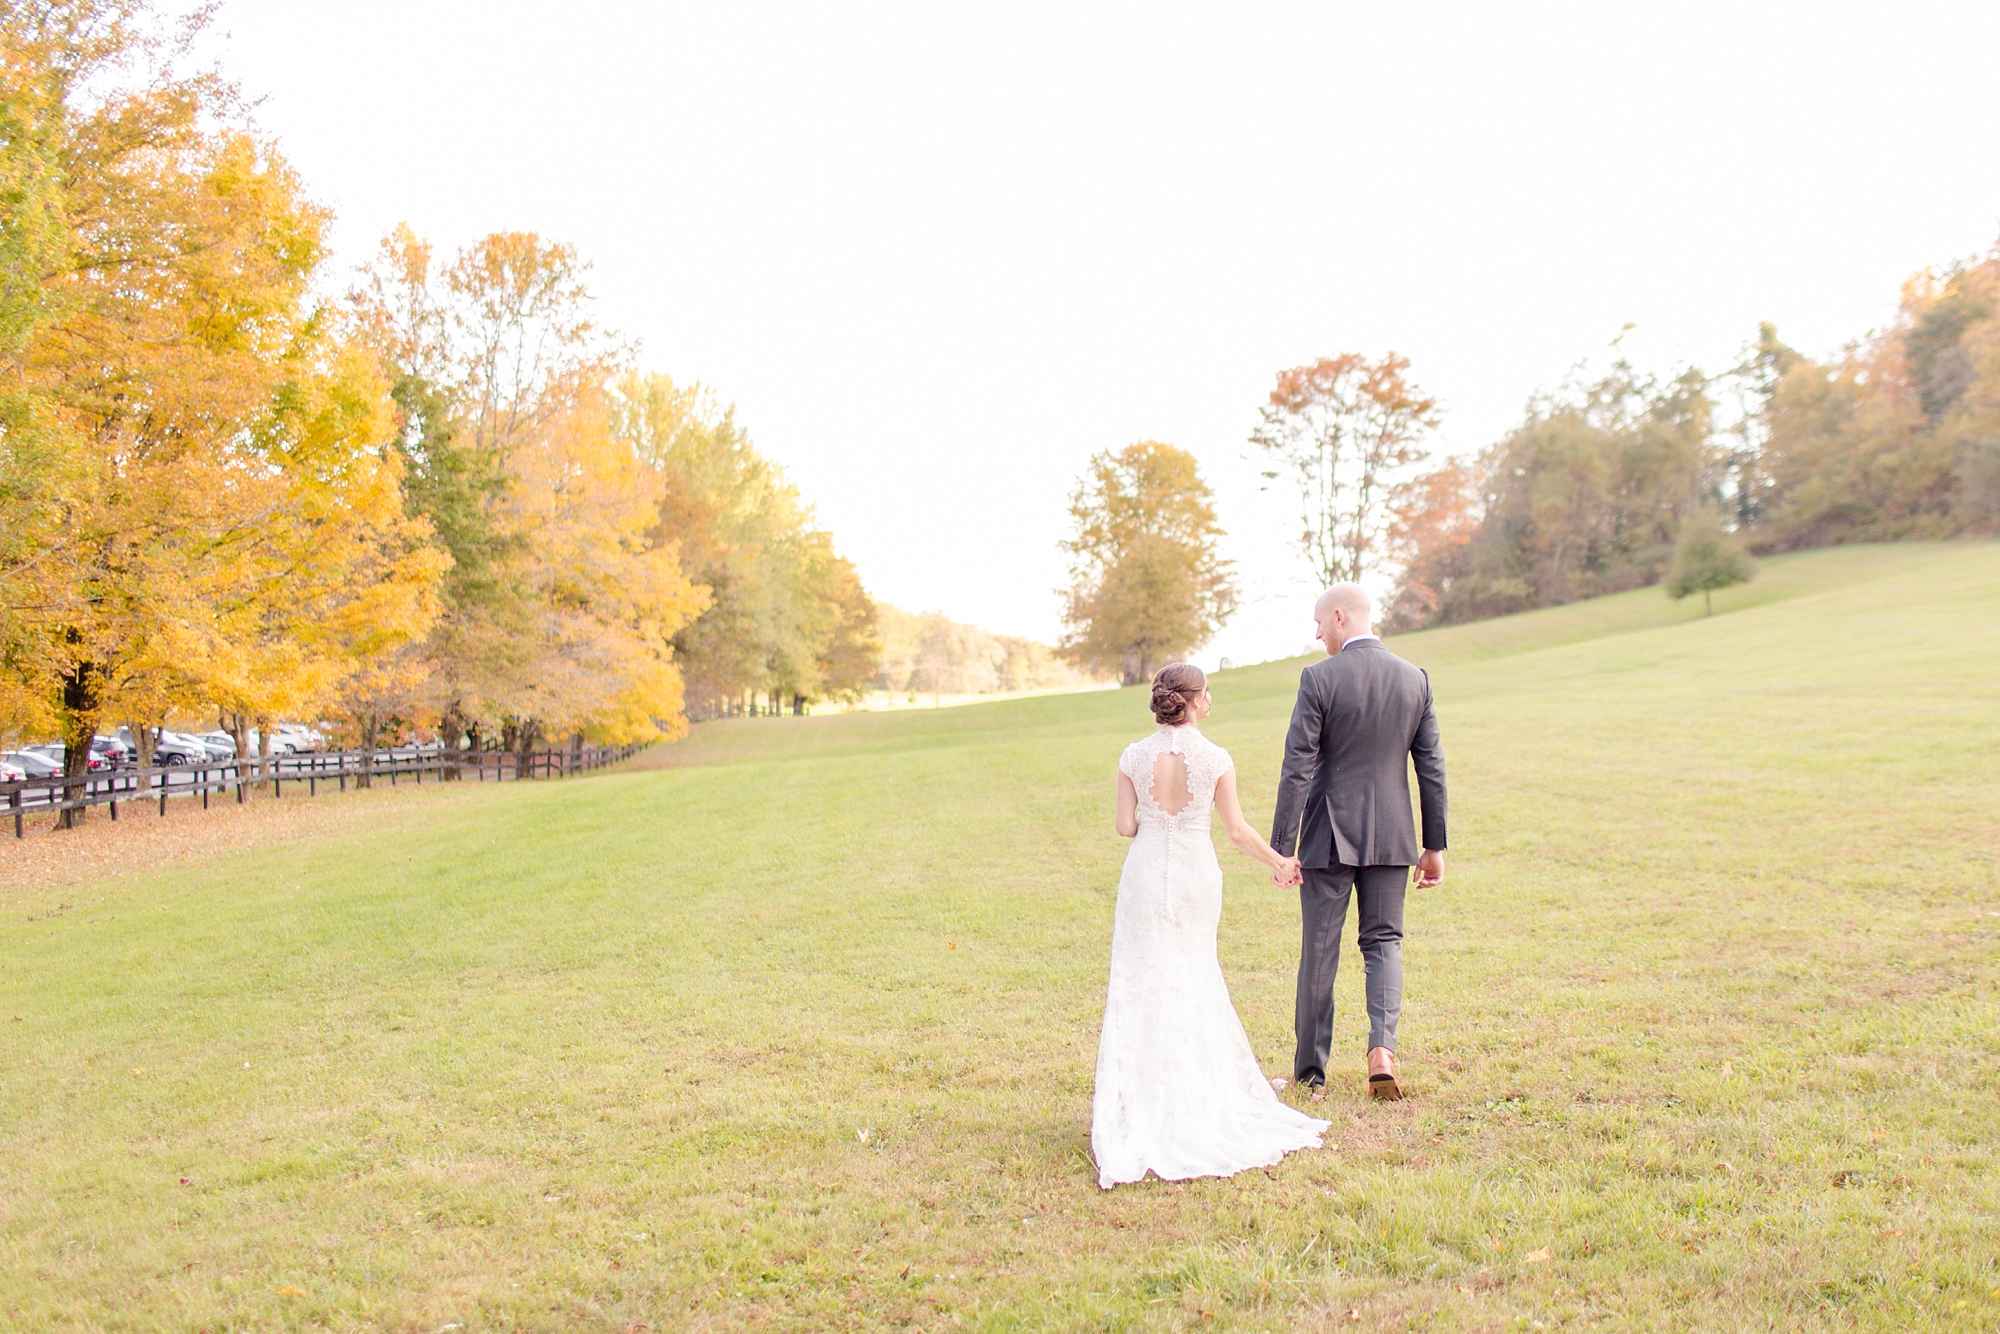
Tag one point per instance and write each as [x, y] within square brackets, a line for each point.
[792, 1026]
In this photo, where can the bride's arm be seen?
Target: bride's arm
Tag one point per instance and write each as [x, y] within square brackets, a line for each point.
[1240, 833]
[1127, 822]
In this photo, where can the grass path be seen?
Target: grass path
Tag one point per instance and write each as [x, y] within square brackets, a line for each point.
[795, 1028]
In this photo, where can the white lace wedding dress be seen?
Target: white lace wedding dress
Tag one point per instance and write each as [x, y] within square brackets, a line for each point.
[1179, 1091]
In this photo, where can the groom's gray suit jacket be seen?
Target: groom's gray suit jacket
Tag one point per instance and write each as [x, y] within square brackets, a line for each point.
[1344, 793]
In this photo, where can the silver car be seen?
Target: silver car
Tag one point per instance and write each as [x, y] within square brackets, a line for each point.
[174, 748]
[34, 764]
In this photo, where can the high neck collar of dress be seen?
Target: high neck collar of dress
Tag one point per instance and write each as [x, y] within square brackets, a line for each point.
[1180, 727]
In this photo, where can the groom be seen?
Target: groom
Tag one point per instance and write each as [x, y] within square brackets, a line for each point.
[1344, 801]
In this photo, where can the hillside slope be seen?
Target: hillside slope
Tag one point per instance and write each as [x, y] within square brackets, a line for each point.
[796, 1029]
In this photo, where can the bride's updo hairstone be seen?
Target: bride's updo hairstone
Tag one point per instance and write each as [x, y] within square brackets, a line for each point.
[1175, 688]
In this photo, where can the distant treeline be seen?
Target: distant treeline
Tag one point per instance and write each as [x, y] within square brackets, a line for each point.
[928, 654]
[1899, 438]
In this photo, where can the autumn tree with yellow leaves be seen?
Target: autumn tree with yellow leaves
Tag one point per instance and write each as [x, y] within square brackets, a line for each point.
[1148, 583]
[563, 598]
[447, 502]
[194, 492]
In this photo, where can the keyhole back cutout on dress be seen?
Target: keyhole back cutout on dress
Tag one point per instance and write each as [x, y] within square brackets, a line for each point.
[1170, 782]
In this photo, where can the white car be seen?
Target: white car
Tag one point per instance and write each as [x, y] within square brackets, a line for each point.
[11, 772]
[174, 748]
[295, 739]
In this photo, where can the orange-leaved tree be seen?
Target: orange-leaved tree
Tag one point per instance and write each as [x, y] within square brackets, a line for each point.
[562, 599]
[1343, 431]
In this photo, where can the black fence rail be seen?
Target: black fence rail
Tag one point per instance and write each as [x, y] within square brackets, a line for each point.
[336, 770]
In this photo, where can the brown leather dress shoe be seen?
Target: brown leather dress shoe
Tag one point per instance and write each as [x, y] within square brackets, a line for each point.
[1382, 1081]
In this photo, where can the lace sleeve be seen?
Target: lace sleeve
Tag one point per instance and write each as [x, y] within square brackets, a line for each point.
[1218, 764]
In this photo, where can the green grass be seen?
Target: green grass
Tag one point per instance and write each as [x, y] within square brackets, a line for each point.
[795, 1028]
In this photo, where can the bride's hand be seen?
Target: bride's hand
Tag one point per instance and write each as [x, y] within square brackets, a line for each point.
[1286, 873]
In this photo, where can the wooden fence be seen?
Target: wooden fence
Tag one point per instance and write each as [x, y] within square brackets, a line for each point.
[337, 769]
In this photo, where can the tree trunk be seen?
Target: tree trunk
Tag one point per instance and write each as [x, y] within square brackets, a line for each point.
[238, 727]
[1707, 602]
[79, 729]
[524, 757]
[265, 753]
[143, 741]
[369, 723]
[448, 737]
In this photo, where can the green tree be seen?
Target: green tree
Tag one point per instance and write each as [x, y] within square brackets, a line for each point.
[788, 619]
[1147, 582]
[1707, 557]
[1585, 497]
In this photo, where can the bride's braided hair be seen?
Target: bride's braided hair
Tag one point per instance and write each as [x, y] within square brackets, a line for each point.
[1175, 687]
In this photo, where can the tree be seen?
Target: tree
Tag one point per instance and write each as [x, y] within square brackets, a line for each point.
[1343, 430]
[1895, 441]
[1434, 518]
[204, 473]
[565, 595]
[1585, 497]
[1147, 583]
[1707, 557]
[787, 616]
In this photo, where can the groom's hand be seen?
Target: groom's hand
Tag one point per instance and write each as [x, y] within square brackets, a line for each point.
[1430, 868]
[1286, 873]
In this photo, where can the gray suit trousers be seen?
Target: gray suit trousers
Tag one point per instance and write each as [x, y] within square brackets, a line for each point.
[1323, 908]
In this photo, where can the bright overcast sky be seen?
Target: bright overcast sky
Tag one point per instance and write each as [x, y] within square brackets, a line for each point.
[939, 254]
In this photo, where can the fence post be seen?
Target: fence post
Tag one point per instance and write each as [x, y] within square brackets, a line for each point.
[15, 802]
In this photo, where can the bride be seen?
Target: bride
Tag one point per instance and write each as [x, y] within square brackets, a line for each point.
[1179, 1091]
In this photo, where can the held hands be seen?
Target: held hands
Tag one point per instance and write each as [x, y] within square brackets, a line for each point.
[1430, 868]
[1286, 873]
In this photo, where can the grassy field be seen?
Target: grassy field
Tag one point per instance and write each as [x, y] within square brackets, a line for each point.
[792, 1026]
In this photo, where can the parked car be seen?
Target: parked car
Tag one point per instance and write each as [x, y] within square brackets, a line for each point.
[296, 739]
[112, 749]
[221, 745]
[58, 751]
[34, 763]
[11, 772]
[175, 748]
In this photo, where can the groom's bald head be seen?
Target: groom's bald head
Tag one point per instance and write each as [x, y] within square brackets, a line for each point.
[1341, 613]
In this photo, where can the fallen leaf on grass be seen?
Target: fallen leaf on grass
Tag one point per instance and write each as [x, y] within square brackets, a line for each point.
[1535, 1257]
[291, 1292]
